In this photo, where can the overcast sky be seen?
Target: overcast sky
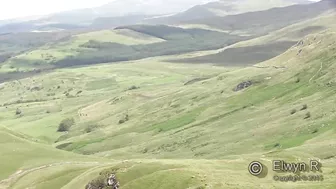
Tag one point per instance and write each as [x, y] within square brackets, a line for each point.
[21, 8]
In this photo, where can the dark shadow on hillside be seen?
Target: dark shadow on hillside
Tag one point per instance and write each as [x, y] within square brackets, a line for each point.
[17, 75]
[305, 31]
[177, 41]
[242, 56]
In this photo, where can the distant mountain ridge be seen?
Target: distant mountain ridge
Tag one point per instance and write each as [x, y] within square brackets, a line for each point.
[261, 22]
[225, 8]
[121, 8]
[115, 14]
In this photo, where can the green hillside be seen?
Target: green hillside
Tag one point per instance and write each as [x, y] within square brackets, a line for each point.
[163, 107]
[122, 44]
[173, 113]
[263, 48]
[266, 21]
[12, 44]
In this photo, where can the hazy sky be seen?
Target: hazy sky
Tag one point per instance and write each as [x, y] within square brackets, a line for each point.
[21, 8]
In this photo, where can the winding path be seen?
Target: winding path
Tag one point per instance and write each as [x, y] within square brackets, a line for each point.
[310, 80]
[6, 183]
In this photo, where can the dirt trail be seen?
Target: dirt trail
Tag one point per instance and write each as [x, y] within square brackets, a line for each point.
[316, 73]
[6, 183]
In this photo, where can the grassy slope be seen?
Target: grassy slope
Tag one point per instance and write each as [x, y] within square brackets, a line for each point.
[127, 43]
[262, 48]
[21, 155]
[266, 21]
[16, 43]
[236, 130]
[51, 53]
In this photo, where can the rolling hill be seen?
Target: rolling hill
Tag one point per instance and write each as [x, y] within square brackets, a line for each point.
[262, 22]
[161, 106]
[120, 8]
[266, 47]
[223, 8]
[208, 143]
[119, 13]
[219, 33]
[118, 45]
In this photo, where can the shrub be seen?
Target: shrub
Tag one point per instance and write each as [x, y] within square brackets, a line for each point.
[144, 151]
[293, 111]
[51, 94]
[304, 107]
[277, 145]
[307, 115]
[315, 131]
[91, 127]
[18, 112]
[297, 80]
[66, 124]
[133, 88]
[97, 183]
[121, 121]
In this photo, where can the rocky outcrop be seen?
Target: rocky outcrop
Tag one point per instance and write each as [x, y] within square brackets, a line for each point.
[243, 85]
[110, 182]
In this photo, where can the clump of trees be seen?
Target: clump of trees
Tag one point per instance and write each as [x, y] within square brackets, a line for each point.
[66, 124]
